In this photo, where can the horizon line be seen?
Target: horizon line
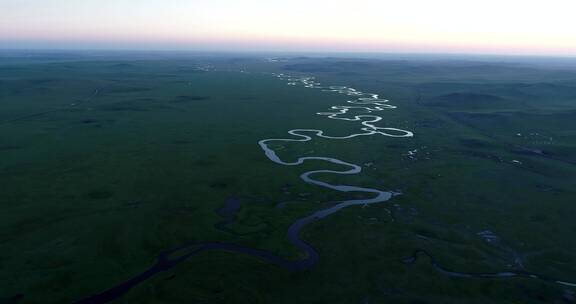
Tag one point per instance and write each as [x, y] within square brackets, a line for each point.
[295, 52]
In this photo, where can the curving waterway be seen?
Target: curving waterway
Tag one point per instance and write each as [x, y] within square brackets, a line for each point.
[481, 275]
[365, 102]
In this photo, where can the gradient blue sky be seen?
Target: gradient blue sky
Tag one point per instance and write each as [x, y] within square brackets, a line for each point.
[447, 26]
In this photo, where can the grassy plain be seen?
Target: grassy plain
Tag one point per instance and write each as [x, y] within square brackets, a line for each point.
[105, 161]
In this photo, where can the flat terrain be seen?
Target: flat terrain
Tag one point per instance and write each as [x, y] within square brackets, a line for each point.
[108, 160]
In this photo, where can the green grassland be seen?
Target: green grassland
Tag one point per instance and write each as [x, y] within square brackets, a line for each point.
[107, 161]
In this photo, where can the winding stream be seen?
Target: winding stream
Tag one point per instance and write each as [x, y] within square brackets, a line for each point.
[366, 102]
[486, 275]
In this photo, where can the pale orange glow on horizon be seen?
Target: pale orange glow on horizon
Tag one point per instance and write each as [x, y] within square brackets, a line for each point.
[490, 26]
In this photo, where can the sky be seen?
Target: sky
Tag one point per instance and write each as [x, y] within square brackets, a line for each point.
[531, 27]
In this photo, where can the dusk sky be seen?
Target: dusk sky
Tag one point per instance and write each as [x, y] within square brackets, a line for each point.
[422, 26]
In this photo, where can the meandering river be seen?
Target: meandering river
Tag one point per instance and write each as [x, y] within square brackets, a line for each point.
[366, 102]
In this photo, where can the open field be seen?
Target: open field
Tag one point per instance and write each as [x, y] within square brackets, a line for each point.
[107, 161]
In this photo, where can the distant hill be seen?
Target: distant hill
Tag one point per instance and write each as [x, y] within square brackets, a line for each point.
[471, 101]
